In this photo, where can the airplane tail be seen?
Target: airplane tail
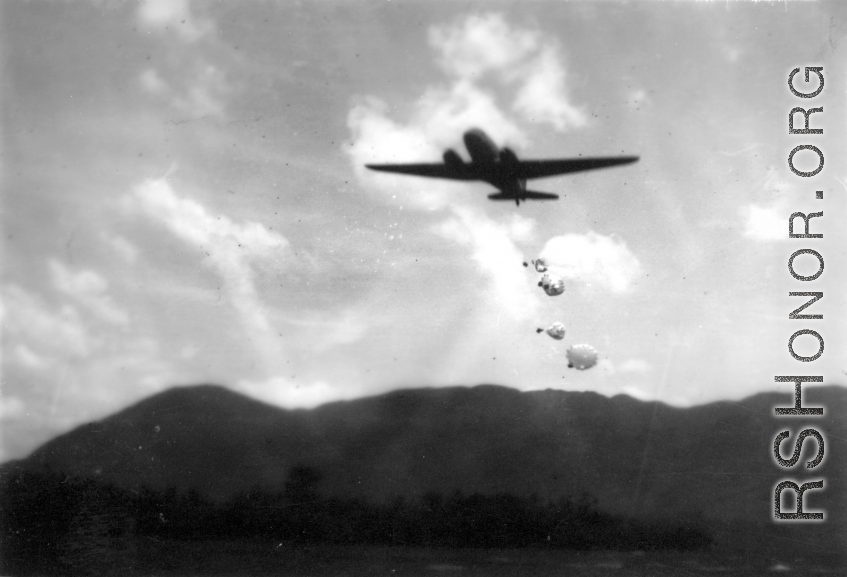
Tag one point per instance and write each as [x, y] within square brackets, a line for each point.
[533, 195]
[524, 195]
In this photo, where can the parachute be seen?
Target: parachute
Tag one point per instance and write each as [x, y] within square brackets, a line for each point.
[581, 357]
[540, 265]
[557, 331]
[552, 285]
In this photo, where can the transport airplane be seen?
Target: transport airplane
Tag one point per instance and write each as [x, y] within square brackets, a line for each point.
[501, 168]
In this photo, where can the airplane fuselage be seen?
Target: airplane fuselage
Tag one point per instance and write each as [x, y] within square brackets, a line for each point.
[500, 165]
[481, 148]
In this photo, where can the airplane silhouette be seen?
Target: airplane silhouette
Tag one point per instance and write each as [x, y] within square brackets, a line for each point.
[501, 168]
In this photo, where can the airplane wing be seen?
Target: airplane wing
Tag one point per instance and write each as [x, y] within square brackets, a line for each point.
[432, 170]
[542, 168]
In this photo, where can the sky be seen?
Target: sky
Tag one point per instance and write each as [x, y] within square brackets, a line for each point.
[184, 200]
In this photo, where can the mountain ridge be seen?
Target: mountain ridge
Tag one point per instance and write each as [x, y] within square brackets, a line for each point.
[638, 458]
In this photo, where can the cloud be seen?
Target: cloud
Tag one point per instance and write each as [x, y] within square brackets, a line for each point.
[91, 327]
[90, 290]
[764, 223]
[606, 367]
[231, 249]
[635, 366]
[376, 138]
[190, 81]
[592, 259]
[445, 113]
[11, 408]
[174, 16]
[201, 90]
[521, 228]
[291, 395]
[205, 92]
[541, 98]
[639, 393]
[124, 248]
[343, 328]
[481, 44]
[494, 252]
[485, 45]
[46, 335]
[766, 218]
[28, 358]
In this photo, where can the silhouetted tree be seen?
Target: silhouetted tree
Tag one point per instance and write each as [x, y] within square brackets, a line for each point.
[51, 523]
[100, 539]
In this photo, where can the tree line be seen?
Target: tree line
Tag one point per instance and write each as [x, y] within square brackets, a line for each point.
[52, 523]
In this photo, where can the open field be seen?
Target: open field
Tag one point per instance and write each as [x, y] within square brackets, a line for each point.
[264, 558]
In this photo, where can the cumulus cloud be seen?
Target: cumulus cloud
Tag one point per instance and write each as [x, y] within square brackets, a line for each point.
[520, 227]
[90, 290]
[189, 81]
[541, 97]
[485, 45]
[480, 44]
[174, 16]
[376, 138]
[231, 250]
[445, 113]
[85, 325]
[592, 259]
[766, 219]
[45, 335]
[764, 223]
[495, 253]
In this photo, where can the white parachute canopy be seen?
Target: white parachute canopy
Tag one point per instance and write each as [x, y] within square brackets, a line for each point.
[581, 357]
[552, 285]
[557, 331]
[540, 265]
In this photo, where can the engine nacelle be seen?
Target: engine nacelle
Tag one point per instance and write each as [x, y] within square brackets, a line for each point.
[452, 158]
